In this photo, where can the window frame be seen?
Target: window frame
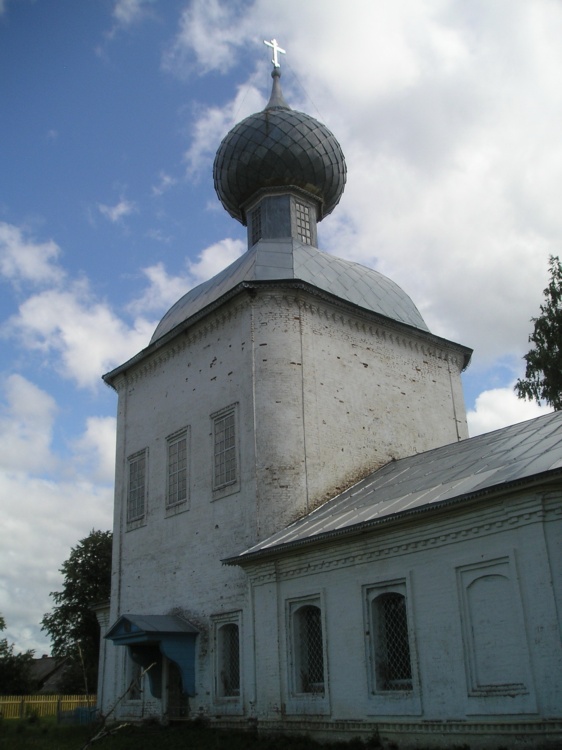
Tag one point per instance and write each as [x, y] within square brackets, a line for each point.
[372, 593]
[295, 612]
[220, 622]
[133, 673]
[174, 439]
[467, 575]
[230, 485]
[139, 517]
[303, 222]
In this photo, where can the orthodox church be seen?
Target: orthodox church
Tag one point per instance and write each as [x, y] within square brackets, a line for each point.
[305, 538]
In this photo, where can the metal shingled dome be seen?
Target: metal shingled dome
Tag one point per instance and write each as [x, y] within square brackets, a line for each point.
[275, 148]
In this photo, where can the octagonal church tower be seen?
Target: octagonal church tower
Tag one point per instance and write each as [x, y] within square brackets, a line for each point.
[265, 391]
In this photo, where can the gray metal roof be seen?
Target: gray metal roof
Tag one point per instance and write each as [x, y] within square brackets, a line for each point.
[453, 472]
[155, 624]
[288, 259]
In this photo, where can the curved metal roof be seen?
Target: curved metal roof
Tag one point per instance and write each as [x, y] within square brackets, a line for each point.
[288, 259]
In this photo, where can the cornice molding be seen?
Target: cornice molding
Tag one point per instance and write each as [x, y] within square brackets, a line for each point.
[306, 300]
[415, 535]
[177, 346]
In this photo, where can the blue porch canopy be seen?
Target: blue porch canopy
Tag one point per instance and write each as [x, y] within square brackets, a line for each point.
[151, 636]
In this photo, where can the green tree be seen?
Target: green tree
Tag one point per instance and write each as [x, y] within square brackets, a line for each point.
[543, 374]
[15, 669]
[72, 624]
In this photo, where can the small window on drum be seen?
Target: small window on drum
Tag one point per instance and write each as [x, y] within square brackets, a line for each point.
[256, 225]
[304, 230]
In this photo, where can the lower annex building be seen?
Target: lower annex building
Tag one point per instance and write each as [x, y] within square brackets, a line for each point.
[305, 539]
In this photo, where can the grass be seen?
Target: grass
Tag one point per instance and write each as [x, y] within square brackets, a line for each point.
[45, 734]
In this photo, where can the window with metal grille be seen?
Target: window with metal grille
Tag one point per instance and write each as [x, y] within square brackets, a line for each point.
[392, 648]
[137, 486]
[177, 469]
[309, 649]
[133, 677]
[228, 648]
[225, 464]
[304, 230]
[256, 225]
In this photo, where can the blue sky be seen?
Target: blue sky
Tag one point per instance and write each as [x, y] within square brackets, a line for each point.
[110, 114]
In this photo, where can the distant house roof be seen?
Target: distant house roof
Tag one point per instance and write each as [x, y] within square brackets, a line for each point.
[46, 673]
[515, 455]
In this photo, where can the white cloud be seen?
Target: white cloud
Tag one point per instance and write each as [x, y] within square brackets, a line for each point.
[118, 211]
[42, 518]
[164, 290]
[165, 182]
[500, 407]
[127, 12]
[25, 260]
[210, 32]
[26, 425]
[96, 448]
[214, 258]
[41, 521]
[214, 123]
[79, 335]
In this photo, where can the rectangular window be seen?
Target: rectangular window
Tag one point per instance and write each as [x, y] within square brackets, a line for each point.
[136, 494]
[391, 663]
[225, 450]
[304, 231]
[133, 678]
[177, 469]
[228, 643]
[307, 647]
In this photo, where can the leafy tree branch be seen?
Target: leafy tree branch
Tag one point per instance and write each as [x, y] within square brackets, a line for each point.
[543, 373]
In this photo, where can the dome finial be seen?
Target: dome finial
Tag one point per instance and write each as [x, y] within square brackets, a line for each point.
[276, 100]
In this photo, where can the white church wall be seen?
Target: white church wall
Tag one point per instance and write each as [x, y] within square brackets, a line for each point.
[308, 388]
[170, 559]
[484, 632]
[339, 394]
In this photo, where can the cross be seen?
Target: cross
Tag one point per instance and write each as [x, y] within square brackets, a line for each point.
[276, 48]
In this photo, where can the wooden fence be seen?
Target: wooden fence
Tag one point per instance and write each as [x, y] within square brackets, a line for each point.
[20, 706]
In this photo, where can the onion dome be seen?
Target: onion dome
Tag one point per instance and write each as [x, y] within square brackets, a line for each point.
[278, 148]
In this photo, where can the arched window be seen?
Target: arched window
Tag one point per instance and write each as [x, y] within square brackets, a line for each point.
[228, 660]
[308, 649]
[393, 668]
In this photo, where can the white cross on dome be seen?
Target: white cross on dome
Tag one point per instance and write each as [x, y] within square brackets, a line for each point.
[276, 49]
